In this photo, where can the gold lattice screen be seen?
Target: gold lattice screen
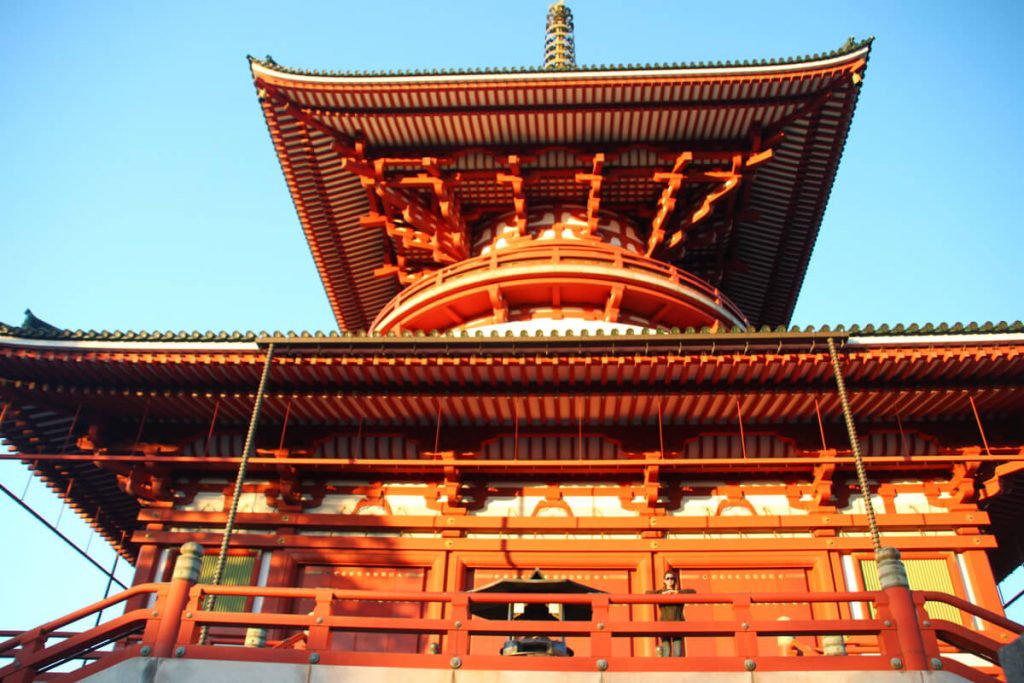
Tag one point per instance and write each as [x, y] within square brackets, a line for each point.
[924, 575]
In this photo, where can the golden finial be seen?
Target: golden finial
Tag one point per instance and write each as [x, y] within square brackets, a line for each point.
[559, 44]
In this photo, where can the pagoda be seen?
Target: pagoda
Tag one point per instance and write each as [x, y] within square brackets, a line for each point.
[563, 296]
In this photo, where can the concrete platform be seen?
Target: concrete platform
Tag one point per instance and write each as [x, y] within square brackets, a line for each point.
[155, 670]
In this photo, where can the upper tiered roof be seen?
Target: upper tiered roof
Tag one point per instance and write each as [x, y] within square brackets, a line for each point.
[355, 146]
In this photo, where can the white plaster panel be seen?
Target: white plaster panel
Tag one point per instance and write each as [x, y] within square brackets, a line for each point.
[856, 506]
[254, 502]
[610, 506]
[409, 505]
[328, 505]
[698, 506]
[204, 501]
[914, 503]
[581, 506]
[344, 504]
[772, 504]
[504, 506]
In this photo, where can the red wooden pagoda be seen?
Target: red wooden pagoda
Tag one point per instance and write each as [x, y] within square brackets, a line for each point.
[562, 295]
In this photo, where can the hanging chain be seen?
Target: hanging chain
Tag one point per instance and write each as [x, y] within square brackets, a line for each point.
[229, 526]
[851, 430]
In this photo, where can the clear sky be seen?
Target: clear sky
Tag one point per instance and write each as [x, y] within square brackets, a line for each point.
[139, 188]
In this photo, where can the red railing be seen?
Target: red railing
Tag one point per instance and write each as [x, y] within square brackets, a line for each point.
[898, 635]
[31, 653]
[562, 254]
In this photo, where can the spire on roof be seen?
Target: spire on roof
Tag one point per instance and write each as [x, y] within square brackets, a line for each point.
[559, 44]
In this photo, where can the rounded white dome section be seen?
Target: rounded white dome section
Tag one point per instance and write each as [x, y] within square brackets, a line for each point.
[557, 222]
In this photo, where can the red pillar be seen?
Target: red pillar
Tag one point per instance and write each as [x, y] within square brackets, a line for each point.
[186, 573]
[892, 577]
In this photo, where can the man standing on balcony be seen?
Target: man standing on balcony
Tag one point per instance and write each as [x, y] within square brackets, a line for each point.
[671, 645]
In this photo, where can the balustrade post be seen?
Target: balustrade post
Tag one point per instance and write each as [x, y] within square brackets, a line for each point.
[892, 578]
[319, 637]
[746, 640]
[186, 573]
[600, 637]
[190, 631]
[23, 673]
[153, 623]
[457, 642]
[928, 636]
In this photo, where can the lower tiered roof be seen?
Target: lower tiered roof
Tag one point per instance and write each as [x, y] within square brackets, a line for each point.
[50, 380]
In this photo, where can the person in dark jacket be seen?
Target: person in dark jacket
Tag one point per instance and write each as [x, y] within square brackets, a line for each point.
[671, 645]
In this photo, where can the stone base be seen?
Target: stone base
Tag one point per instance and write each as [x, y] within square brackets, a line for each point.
[155, 670]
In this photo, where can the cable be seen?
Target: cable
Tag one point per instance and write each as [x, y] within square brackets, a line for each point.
[62, 537]
[851, 430]
[229, 527]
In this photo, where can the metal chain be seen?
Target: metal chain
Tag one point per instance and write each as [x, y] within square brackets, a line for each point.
[851, 430]
[229, 526]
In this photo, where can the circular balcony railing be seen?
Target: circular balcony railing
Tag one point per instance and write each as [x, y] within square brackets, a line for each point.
[561, 280]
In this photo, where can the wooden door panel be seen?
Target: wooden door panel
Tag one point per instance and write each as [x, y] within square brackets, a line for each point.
[743, 580]
[397, 579]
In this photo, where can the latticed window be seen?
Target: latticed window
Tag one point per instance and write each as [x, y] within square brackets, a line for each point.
[238, 571]
[924, 575]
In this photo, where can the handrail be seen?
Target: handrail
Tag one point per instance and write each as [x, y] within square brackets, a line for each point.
[452, 628]
[971, 608]
[537, 598]
[50, 627]
[568, 252]
[31, 654]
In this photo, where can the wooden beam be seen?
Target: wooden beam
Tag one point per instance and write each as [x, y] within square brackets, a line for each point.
[667, 201]
[595, 179]
[514, 178]
[727, 182]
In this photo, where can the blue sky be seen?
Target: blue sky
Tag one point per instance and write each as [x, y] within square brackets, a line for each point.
[139, 188]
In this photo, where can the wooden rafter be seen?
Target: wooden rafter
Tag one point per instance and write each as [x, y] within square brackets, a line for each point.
[345, 145]
[851, 79]
[837, 76]
[581, 156]
[394, 204]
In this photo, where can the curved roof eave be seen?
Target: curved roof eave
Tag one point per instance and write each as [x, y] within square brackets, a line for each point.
[775, 66]
[235, 342]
